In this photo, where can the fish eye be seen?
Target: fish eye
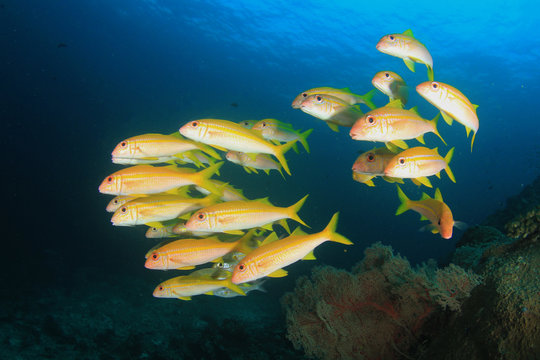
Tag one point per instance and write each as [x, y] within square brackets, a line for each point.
[160, 288]
[370, 157]
[154, 229]
[434, 85]
[194, 124]
[319, 98]
[220, 265]
[123, 209]
[115, 201]
[263, 124]
[401, 161]
[241, 267]
[392, 37]
[387, 75]
[201, 216]
[155, 256]
[439, 223]
[304, 94]
[370, 119]
[110, 179]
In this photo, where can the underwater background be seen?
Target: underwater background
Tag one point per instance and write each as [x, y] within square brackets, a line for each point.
[78, 77]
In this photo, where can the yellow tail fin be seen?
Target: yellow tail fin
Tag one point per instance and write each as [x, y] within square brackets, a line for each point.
[447, 159]
[293, 211]
[279, 153]
[404, 205]
[302, 137]
[330, 231]
[435, 130]
[202, 179]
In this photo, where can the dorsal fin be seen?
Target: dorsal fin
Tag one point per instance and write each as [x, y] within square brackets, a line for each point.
[425, 196]
[408, 32]
[298, 232]
[264, 200]
[414, 110]
[270, 238]
[395, 104]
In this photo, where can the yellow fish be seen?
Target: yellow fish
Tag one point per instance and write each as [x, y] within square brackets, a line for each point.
[204, 281]
[148, 179]
[229, 192]
[227, 135]
[392, 124]
[155, 146]
[273, 255]
[152, 209]
[419, 163]
[273, 129]
[452, 104]
[334, 111]
[233, 216]
[432, 209]
[180, 229]
[185, 254]
[344, 94]
[392, 85]
[405, 46]
[251, 164]
[118, 201]
[154, 232]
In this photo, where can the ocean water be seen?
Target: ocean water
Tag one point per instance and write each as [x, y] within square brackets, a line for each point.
[80, 76]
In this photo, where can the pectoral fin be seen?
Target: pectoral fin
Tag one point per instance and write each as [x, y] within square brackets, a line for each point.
[278, 273]
[447, 118]
[409, 63]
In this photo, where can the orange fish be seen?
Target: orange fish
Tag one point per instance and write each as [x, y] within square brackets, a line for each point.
[432, 209]
[393, 124]
[273, 255]
[392, 85]
[419, 163]
[452, 104]
[372, 164]
[232, 216]
[185, 254]
[147, 179]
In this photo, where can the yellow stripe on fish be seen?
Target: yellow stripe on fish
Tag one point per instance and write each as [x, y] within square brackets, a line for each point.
[452, 104]
[270, 258]
[233, 216]
[228, 135]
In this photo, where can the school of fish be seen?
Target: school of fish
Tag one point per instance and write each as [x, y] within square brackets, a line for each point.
[230, 244]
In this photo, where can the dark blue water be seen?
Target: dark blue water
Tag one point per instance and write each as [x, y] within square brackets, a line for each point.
[78, 77]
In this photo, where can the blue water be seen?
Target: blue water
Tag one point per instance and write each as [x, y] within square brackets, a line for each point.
[132, 67]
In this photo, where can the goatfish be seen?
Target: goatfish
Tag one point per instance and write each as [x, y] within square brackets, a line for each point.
[344, 94]
[273, 255]
[393, 124]
[273, 129]
[199, 282]
[152, 210]
[371, 164]
[419, 163]
[405, 46]
[155, 146]
[253, 163]
[248, 124]
[452, 104]
[392, 85]
[432, 209]
[334, 111]
[227, 135]
[180, 229]
[185, 254]
[233, 216]
[118, 201]
[229, 192]
[148, 179]
[154, 232]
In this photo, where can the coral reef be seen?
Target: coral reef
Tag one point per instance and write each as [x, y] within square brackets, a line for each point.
[376, 311]
[501, 320]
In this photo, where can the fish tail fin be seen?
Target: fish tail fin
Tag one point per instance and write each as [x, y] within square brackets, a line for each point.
[295, 148]
[210, 151]
[430, 74]
[293, 211]
[435, 130]
[404, 205]
[202, 178]
[243, 244]
[302, 137]
[447, 159]
[367, 98]
[330, 231]
[229, 285]
[280, 154]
